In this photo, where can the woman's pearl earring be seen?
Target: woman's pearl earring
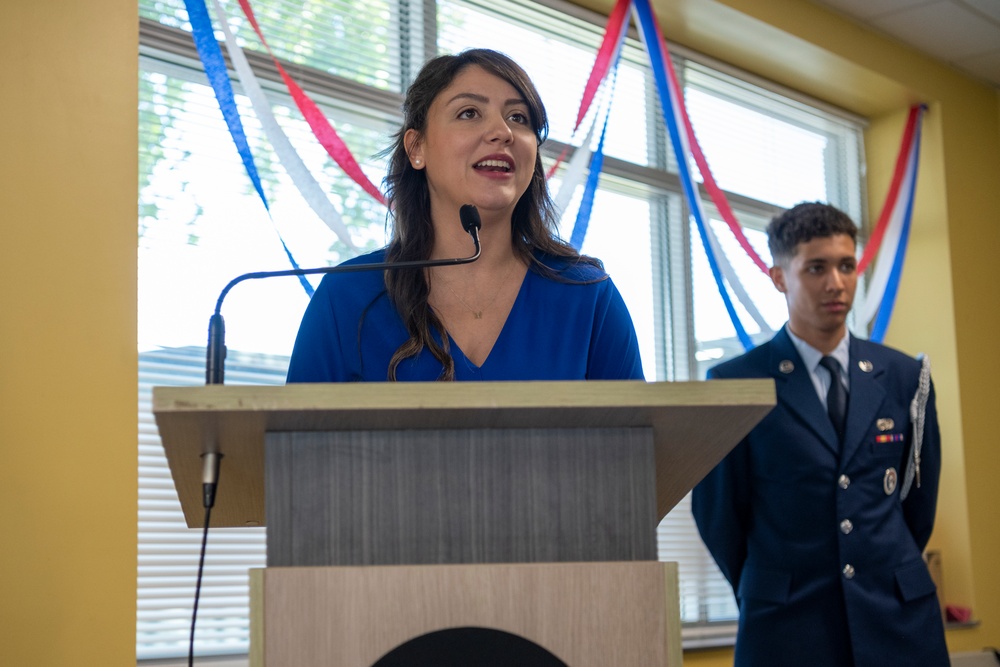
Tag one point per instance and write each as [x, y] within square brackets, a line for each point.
[416, 162]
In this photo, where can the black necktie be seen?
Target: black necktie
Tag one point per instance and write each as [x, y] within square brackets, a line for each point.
[836, 397]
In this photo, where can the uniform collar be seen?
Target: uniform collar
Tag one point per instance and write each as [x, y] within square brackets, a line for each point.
[811, 356]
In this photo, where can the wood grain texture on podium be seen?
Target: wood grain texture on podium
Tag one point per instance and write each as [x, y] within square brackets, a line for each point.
[586, 614]
[423, 497]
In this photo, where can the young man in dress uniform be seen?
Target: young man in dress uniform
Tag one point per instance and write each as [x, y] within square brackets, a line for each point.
[819, 517]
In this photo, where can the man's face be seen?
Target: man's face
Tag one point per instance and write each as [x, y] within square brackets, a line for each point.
[818, 284]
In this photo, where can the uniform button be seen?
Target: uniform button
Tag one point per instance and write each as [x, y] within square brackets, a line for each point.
[848, 571]
[844, 481]
[846, 526]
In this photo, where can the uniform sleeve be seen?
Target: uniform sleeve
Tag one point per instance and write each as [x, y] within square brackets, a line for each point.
[614, 349]
[921, 503]
[719, 504]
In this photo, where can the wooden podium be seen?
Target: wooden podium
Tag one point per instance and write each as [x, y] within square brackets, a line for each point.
[396, 512]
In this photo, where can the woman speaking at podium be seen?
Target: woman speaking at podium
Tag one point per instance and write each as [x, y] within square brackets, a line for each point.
[530, 308]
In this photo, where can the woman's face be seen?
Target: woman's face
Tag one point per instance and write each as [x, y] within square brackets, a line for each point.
[478, 148]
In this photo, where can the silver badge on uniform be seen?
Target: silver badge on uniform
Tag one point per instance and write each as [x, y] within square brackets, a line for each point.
[884, 424]
[786, 366]
[889, 481]
[865, 365]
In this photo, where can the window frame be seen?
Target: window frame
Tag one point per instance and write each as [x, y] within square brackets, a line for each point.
[670, 234]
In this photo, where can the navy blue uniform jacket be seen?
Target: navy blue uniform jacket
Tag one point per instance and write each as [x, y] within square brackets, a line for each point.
[824, 557]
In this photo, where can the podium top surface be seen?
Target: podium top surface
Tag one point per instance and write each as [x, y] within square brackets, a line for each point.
[695, 424]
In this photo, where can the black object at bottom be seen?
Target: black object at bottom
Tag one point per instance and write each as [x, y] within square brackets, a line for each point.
[469, 647]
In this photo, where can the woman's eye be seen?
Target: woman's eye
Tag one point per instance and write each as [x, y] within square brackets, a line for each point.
[467, 113]
[520, 118]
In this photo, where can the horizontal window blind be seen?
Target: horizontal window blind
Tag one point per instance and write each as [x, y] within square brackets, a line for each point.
[772, 148]
[358, 41]
[200, 225]
[168, 549]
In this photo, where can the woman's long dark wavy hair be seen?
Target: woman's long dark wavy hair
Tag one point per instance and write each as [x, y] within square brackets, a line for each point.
[533, 223]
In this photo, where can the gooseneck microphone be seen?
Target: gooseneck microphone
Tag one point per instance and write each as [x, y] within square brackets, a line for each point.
[216, 357]
[216, 352]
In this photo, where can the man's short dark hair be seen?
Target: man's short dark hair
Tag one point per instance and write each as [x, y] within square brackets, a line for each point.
[802, 223]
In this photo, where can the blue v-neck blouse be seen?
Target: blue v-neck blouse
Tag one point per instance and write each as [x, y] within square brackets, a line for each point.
[573, 330]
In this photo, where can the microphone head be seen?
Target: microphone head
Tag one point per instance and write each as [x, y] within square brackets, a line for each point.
[469, 215]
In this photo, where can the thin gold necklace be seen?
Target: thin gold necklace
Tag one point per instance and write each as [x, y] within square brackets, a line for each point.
[478, 314]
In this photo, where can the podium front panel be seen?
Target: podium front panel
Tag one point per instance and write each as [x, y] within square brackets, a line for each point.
[460, 496]
[583, 614]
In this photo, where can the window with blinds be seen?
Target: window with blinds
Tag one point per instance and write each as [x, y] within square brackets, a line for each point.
[201, 223]
[168, 550]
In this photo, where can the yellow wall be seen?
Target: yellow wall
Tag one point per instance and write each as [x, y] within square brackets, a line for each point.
[67, 332]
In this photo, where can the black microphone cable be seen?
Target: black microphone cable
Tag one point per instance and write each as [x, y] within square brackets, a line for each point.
[216, 355]
[210, 481]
